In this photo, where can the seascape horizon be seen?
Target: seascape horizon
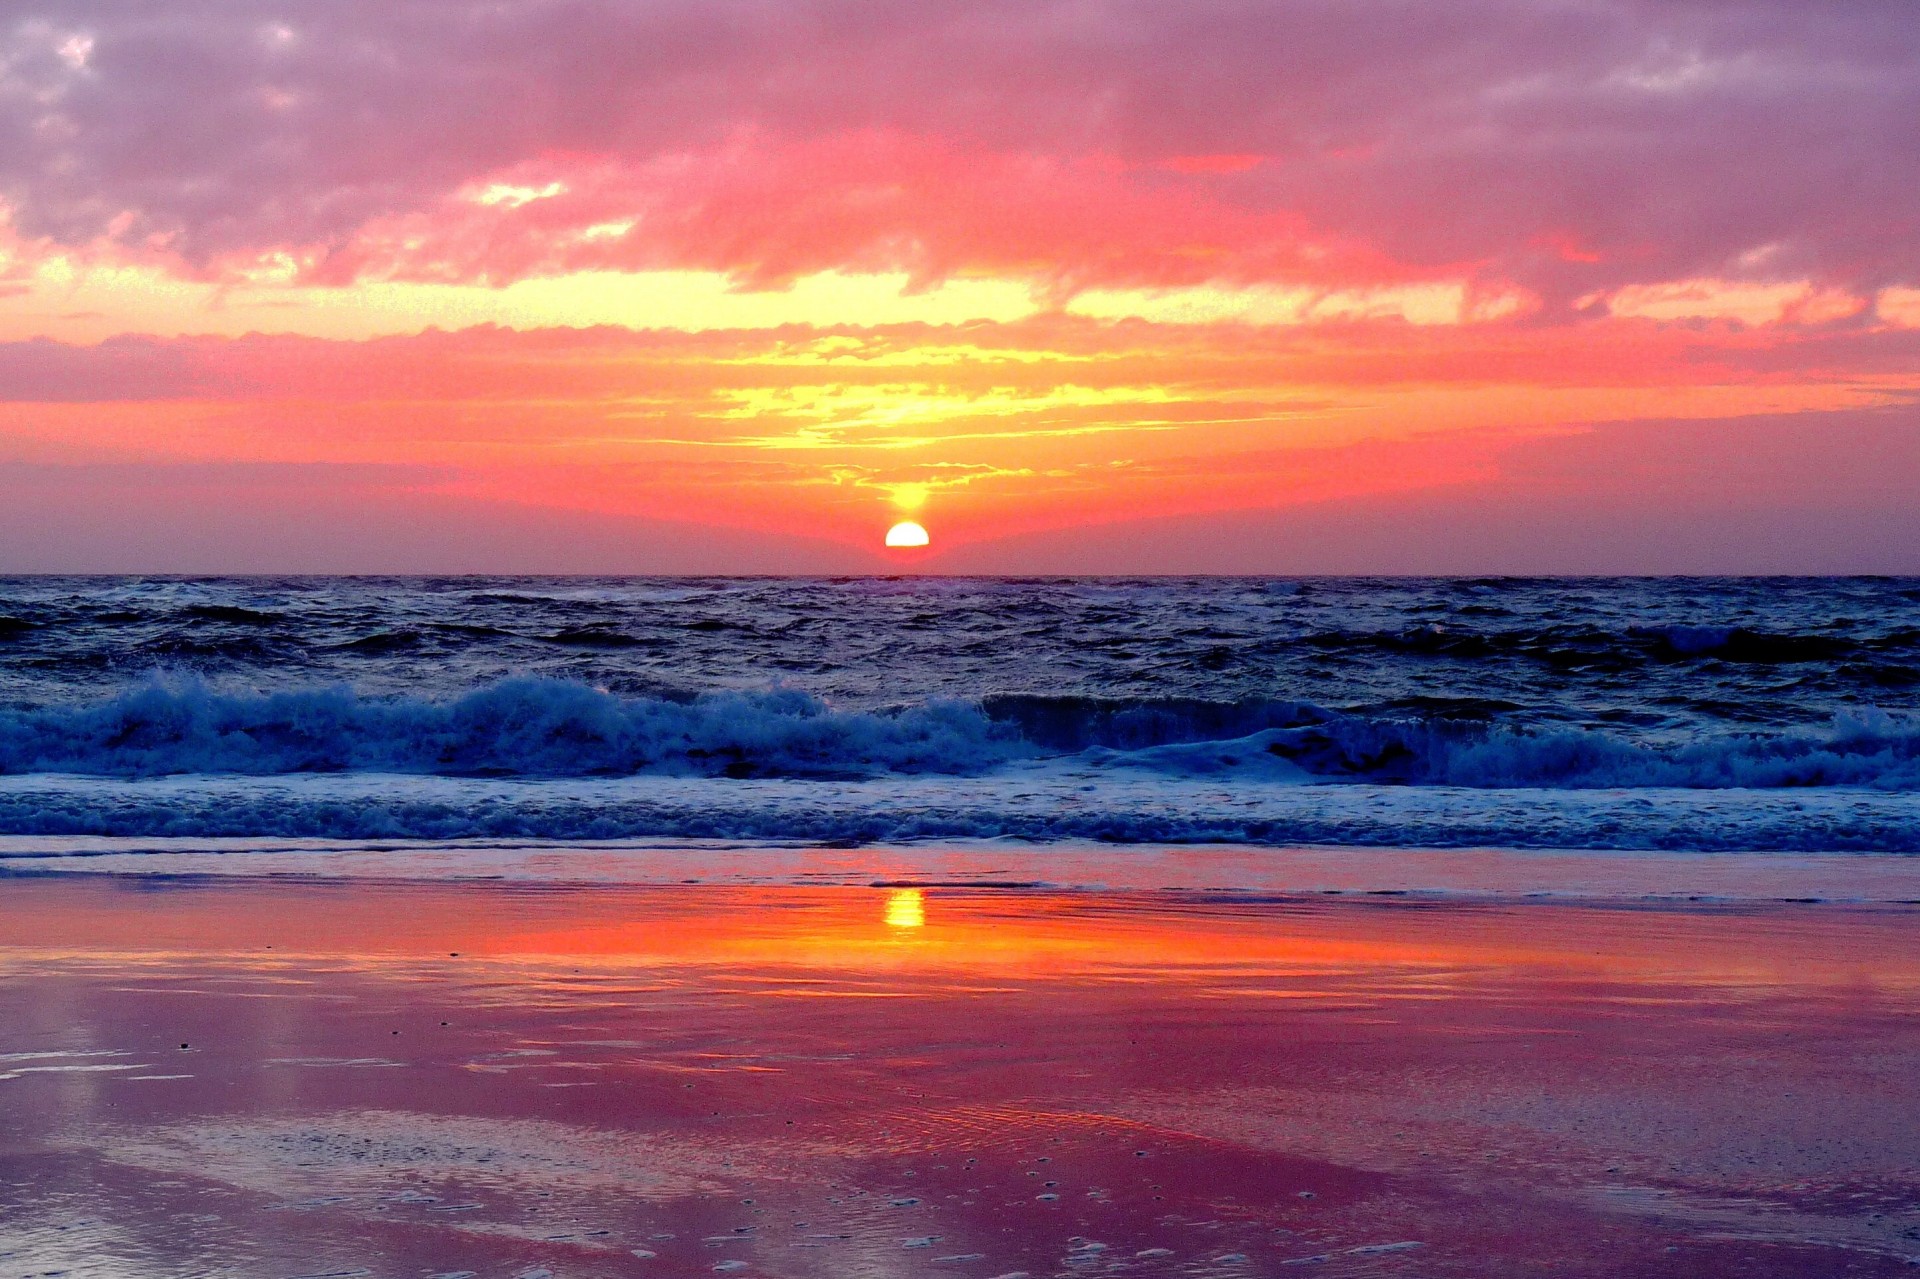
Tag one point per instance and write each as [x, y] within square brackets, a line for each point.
[959, 639]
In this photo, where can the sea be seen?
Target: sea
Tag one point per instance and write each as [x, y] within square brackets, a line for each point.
[1764, 716]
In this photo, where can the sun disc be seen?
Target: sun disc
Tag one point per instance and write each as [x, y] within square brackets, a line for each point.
[906, 533]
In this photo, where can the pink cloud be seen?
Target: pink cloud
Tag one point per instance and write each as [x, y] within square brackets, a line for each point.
[584, 366]
[769, 210]
[1662, 140]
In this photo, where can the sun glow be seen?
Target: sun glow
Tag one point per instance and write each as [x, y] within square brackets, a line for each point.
[908, 497]
[906, 533]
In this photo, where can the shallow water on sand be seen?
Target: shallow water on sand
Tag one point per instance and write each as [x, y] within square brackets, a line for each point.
[258, 1077]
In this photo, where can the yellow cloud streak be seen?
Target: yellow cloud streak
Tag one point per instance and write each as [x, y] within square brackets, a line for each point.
[65, 299]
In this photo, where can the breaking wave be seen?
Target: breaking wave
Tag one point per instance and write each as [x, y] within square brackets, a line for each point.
[521, 727]
[557, 728]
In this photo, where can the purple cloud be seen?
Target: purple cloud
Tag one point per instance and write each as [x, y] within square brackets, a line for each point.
[1568, 146]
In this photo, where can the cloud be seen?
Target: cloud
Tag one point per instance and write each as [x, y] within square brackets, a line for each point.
[769, 210]
[742, 373]
[1561, 149]
[1046, 424]
[1819, 493]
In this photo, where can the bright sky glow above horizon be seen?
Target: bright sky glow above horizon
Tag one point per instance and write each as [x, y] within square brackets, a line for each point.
[1500, 286]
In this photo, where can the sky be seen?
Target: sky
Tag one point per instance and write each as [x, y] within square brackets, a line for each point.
[1079, 285]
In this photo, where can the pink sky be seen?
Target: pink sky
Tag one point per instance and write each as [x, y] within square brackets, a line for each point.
[1502, 285]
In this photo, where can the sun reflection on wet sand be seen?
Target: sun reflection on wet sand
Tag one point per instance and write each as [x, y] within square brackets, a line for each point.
[403, 1077]
[906, 908]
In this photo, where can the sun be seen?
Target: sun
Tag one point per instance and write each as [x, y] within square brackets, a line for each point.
[906, 533]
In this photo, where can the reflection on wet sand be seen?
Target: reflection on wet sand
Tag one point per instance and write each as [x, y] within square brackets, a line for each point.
[906, 908]
[261, 1078]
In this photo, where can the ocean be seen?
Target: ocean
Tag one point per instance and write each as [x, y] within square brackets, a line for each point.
[1684, 715]
[983, 927]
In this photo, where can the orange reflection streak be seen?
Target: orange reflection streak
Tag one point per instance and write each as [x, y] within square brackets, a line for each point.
[952, 935]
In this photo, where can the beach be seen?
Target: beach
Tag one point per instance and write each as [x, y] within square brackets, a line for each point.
[530, 928]
[337, 1072]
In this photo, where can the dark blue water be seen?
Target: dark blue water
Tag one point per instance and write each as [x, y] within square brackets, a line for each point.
[758, 708]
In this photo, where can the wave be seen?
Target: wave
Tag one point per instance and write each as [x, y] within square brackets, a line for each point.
[232, 615]
[382, 642]
[1454, 742]
[1036, 804]
[1634, 646]
[1860, 750]
[557, 728]
[520, 727]
[595, 637]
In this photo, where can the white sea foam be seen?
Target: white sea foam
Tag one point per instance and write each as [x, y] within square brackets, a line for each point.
[1034, 803]
[556, 728]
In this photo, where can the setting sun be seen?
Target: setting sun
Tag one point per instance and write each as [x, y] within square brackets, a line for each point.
[906, 533]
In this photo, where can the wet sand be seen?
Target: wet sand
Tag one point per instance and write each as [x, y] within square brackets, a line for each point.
[258, 1077]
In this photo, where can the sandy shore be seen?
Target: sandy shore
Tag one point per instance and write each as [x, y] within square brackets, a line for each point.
[255, 1077]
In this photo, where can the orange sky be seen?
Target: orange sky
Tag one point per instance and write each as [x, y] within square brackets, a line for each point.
[550, 298]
